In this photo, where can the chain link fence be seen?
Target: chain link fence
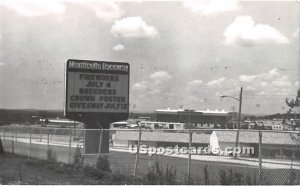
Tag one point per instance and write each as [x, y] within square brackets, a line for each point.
[192, 156]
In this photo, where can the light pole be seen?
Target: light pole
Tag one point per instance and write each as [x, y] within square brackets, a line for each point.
[239, 121]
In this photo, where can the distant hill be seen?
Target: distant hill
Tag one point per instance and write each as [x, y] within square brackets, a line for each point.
[8, 116]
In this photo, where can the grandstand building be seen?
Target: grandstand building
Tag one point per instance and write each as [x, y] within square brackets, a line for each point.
[200, 119]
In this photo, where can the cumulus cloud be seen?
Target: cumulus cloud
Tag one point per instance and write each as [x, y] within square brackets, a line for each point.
[156, 84]
[246, 78]
[216, 82]
[271, 82]
[134, 27]
[160, 75]
[119, 47]
[106, 10]
[209, 7]
[140, 86]
[33, 8]
[296, 33]
[195, 83]
[2, 64]
[194, 86]
[244, 31]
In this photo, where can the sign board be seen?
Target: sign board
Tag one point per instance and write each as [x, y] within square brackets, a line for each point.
[96, 87]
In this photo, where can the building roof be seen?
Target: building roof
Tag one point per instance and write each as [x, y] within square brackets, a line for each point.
[162, 137]
[278, 138]
[206, 112]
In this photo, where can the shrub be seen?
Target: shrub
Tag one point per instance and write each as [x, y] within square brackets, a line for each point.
[237, 178]
[156, 175]
[94, 172]
[103, 164]
[51, 155]
[292, 180]
[78, 158]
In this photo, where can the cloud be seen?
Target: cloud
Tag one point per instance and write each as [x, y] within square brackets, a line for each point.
[209, 7]
[2, 64]
[274, 73]
[296, 33]
[157, 84]
[194, 86]
[244, 31]
[160, 75]
[216, 82]
[194, 90]
[119, 47]
[33, 8]
[140, 86]
[245, 78]
[106, 10]
[272, 82]
[134, 27]
[195, 83]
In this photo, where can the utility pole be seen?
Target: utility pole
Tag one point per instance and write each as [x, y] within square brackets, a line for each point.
[240, 99]
[190, 145]
[239, 122]
[240, 107]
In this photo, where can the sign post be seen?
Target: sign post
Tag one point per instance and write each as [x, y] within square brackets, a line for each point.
[97, 94]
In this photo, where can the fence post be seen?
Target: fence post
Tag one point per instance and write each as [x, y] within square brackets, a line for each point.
[237, 141]
[259, 156]
[30, 137]
[190, 155]
[100, 142]
[3, 138]
[48, 135]
[138, 151]
[70, 145]
[13, 141]
[16, 138]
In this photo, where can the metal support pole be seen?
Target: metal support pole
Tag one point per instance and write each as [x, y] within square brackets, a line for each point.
[259, 156]
[138, 150]
[70, 145]
[84, 135]
[239, 122]
[16, 134]
[13, 142]
[100, 142]
[30, 137]
[190, 155]
[4, 138]
[237, 141]
[16, 138]
[48, 135]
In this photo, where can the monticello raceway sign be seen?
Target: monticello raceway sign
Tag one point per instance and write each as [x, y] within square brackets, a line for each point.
[97, 87]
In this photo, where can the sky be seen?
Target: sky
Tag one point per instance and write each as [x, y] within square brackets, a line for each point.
[181, 53]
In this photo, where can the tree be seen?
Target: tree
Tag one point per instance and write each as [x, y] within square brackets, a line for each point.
[293, 103]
